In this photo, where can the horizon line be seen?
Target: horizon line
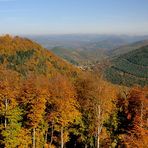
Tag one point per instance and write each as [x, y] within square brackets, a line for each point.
[56, 34]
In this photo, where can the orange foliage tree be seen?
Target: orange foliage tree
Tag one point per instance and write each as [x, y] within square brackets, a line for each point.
[63, 106]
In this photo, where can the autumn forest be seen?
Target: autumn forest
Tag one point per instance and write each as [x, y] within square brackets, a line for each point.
[46, 102]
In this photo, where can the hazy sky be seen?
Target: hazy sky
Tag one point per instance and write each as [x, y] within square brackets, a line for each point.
[73, 16]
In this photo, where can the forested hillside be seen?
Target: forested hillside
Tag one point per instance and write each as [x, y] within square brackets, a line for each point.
[127, 48]
[25, 57]
[47, 103]
[80, 56]
[129, 69]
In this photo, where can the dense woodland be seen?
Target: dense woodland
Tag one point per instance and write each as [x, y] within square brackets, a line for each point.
[47, 103]
[130, 68]
[125, 65]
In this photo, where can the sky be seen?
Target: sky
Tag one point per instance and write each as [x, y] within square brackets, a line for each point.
[74, 16]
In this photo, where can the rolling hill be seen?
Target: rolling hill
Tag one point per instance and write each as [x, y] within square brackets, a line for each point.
[79, 56]
[25, 57]
[85, 49]
[86, 41]
[130, 68]
[127, 48]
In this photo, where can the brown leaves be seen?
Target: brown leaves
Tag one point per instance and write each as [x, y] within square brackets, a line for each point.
[135, 110]
[34, 99]
[63, 100]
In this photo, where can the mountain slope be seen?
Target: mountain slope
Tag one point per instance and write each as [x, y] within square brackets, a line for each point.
[79, 56]
[127, 48]
[25, 57]
[130, 68]
[68, 54]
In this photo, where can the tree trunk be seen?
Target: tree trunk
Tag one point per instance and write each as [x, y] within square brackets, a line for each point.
[46, 137]
[6, 107]
[33, 139]
[98, 141]
[141, 124]
[62, 141]
[85, 145]
[99, 126]
[52, 130]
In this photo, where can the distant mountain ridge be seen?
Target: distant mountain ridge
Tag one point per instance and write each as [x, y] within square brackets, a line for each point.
[86, 41]
[85, 49]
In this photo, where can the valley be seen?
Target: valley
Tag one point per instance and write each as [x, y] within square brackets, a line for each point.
[120, 53]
